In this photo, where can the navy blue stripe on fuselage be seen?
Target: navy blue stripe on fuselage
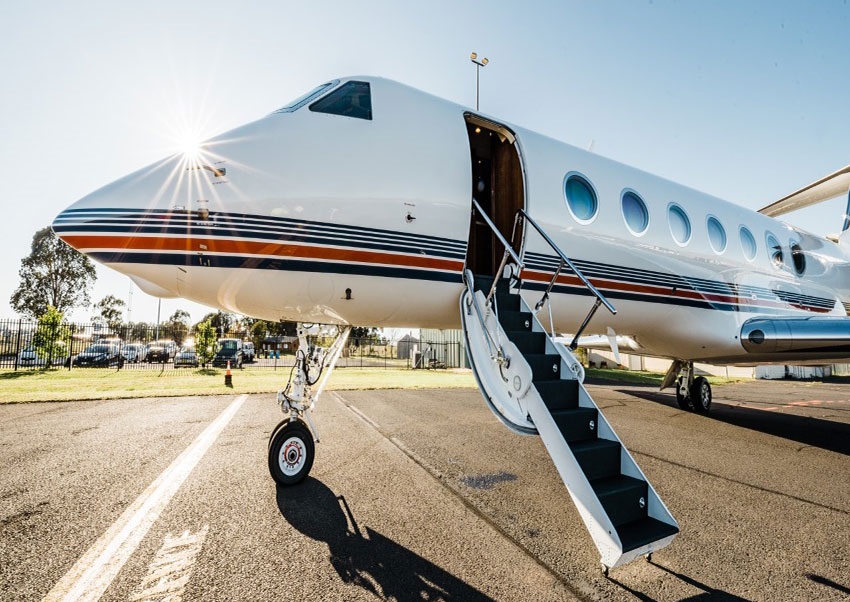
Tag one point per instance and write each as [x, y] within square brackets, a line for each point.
[276, 264]
[593, 270]
[255, 227]
[649, 298]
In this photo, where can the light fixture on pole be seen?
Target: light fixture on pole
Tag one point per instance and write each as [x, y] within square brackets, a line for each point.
[478, 64]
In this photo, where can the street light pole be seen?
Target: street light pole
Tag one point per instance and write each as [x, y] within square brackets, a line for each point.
[478, 64]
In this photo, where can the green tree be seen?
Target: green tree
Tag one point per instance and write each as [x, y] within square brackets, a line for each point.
[205, 342]
[178, 325]
[221, 321]
[139, 331]
[51, 337]
[53, 274]
[362, 335]
[283, 329]
[111, 310]
[259, 331]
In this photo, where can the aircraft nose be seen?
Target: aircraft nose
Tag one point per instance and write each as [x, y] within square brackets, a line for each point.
[108, 213]
[135, 225]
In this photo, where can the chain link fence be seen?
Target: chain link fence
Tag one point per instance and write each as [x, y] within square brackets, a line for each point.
[30, 345]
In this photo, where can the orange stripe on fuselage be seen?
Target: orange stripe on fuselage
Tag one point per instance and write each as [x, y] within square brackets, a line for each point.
[666, 291]
[254, 248]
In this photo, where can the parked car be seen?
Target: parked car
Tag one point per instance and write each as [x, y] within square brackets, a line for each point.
[161, 351]
[248, 351]
[134, 352]
[27, 357]
[186, 357]
[229, 350]
[99, 355]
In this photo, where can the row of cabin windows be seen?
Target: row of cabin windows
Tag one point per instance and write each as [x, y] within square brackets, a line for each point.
[583, 205]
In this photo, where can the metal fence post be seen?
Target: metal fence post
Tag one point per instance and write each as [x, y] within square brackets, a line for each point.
[18, 345]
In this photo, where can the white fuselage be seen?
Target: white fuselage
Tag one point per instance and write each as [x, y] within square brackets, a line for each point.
[328, 218]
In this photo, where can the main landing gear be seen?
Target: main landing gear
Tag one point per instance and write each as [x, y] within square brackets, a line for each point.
[291, 445]
[692, 393]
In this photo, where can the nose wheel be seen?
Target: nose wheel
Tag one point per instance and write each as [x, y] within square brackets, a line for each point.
[291, 452]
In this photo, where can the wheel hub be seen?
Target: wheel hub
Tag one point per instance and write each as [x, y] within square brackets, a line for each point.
[292, 456]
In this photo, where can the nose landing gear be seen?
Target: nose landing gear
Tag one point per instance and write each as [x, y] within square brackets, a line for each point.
[291, 445]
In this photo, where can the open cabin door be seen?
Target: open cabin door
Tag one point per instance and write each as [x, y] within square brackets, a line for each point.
[498, 186]
[529, 379]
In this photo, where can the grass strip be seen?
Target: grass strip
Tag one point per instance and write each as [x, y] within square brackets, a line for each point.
[82, 384]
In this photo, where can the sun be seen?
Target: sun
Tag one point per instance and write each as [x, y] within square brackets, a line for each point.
[188, 142]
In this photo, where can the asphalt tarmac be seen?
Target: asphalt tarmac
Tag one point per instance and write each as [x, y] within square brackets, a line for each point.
[417, 495]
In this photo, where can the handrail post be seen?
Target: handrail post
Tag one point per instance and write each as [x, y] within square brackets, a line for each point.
[567, 261]
[584, 324]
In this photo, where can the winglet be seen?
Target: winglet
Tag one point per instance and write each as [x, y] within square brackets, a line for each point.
[826, 188]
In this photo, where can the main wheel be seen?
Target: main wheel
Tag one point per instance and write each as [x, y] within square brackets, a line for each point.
[291, 452]
[701, 395]
[684, 402]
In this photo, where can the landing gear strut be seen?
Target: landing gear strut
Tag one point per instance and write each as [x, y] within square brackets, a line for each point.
[692, 393]
[291, 445]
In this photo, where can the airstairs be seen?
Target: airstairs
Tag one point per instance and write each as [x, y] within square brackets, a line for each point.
[533, 384]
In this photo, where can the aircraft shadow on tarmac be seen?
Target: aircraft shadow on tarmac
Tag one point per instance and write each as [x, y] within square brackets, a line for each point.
[708, 592]
[374, 562]
[814, 432]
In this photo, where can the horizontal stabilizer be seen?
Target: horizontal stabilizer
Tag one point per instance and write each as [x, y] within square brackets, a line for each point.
[829, 187]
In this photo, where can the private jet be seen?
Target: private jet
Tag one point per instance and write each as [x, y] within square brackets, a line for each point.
[369, 203]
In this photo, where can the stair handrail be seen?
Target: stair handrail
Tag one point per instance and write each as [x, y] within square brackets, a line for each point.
[600, 298]
[509, 251]
[498, 354]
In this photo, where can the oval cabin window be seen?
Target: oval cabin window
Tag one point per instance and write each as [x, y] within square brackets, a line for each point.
[716, 234]
[680, 225]
[581, 198]
[774, 250]
[798, 258]
[748, 244]
[635, 213]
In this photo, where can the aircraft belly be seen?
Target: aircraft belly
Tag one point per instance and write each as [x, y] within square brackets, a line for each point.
[327, 298]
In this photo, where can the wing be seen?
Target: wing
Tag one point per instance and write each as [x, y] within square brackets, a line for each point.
[826, 188]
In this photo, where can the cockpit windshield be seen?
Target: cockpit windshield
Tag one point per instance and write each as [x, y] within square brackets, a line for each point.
[352, 99]
[304, 99]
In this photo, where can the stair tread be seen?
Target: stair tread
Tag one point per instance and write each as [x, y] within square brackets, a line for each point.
[560, 394]
[567, 412]
[614, 485]
[598, 458]
[577, 424]
[643, 531]
[580, 446]
[528, 342]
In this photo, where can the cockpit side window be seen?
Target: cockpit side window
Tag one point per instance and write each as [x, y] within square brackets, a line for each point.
[304, 99]
[352, 99]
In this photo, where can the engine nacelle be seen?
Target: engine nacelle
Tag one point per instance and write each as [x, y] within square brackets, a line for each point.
[826, 334]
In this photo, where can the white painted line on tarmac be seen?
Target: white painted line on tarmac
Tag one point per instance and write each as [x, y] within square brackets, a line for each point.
[89, 578]
[364, 417]
[171, 568]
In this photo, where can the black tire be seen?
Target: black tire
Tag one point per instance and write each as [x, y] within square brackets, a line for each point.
[701, 395]
[291, 453]
[684, 402]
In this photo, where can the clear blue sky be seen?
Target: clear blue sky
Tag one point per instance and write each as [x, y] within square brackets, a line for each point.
[743, 100]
